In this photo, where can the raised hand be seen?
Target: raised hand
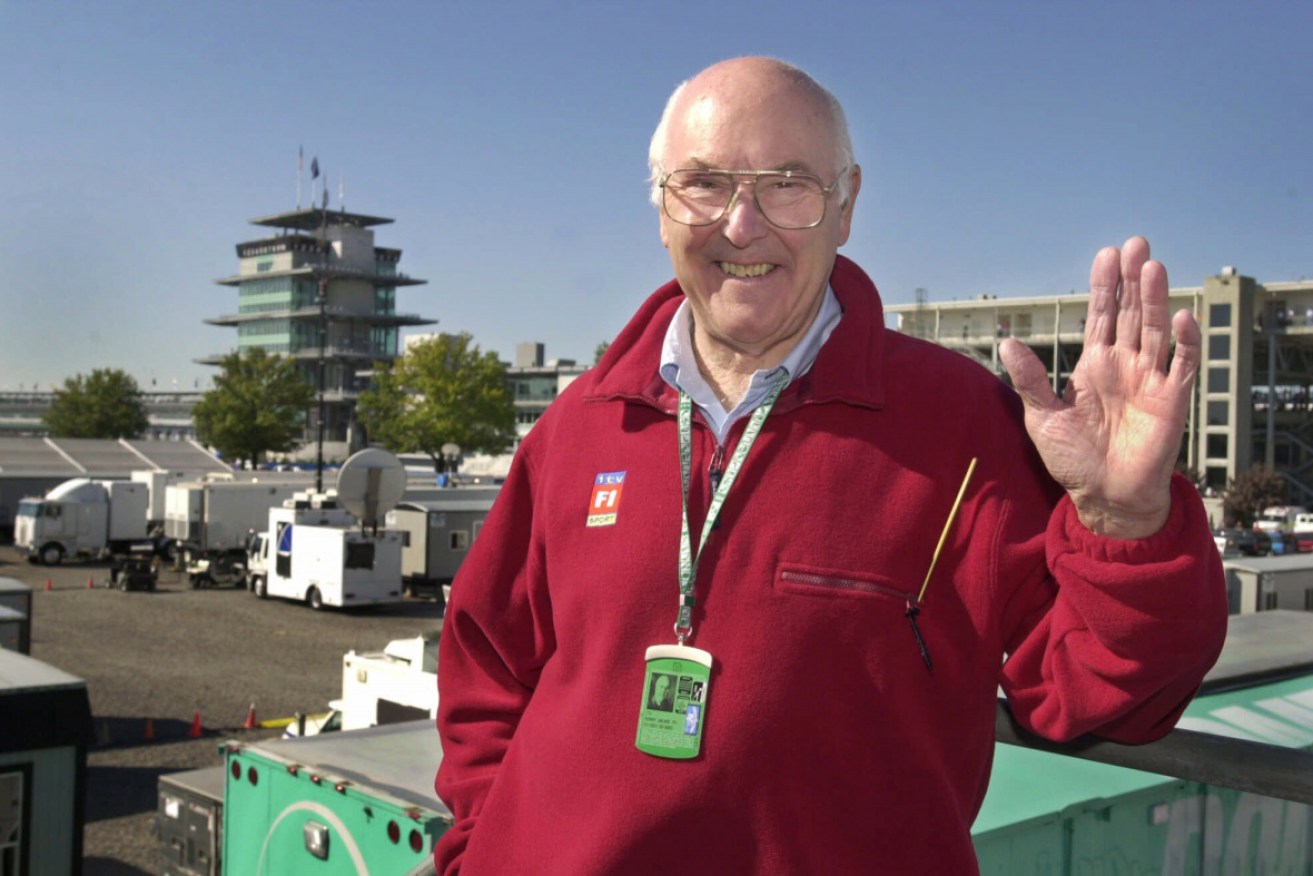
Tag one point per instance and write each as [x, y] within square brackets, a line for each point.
[1113, 437]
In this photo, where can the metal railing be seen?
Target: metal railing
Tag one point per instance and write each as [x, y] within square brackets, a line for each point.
[1254, 767]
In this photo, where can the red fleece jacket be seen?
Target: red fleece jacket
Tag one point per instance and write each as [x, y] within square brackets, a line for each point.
[829, 746]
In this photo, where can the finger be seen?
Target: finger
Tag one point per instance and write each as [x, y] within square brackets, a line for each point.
[1101, 317]
[1189, 348]
[1028, 374]
[1155, 338]
[1130, 316]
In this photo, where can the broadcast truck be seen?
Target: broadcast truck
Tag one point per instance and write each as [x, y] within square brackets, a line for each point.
[313, 550]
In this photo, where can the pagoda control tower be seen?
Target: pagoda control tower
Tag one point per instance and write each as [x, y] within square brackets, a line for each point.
[320, 291]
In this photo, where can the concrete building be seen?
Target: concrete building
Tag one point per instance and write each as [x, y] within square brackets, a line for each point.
[1252, 399]
[168, 413]
[537, 382]
[320, 291]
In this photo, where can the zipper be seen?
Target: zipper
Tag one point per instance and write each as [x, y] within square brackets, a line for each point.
[913, 608]
[715, 470]
[845, 584]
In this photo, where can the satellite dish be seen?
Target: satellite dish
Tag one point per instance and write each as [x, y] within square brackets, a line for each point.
[370, 484]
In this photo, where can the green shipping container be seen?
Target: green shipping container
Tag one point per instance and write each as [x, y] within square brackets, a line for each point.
[359, 802]
[1053, 815]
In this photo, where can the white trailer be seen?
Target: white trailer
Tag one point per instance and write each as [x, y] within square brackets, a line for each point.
[82, 518]
[157, 485]
[439, 532]
[211, 517]
[312, 552]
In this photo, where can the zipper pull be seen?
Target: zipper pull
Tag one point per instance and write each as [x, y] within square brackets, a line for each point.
[912, 612]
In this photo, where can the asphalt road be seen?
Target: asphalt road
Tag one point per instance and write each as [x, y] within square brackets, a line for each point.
[165, 658]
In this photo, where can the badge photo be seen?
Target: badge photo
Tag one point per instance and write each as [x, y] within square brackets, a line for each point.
[674, 705]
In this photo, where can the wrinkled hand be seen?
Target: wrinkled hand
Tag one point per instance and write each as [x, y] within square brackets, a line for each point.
[1113, 437]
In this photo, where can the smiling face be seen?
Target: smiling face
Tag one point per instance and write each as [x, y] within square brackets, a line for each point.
[754, 288]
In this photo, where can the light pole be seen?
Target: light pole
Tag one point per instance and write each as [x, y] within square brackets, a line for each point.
[1269, 449]
[323, 332]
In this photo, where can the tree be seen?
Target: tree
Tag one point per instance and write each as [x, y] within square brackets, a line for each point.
[443, 391]
[257, 406]
[1250, 492]
[600, 351]
[105, 404]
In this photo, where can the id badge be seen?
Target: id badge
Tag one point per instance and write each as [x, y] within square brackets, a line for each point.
[674, 704]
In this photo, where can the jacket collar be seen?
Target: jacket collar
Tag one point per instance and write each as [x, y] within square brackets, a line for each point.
[849, 368]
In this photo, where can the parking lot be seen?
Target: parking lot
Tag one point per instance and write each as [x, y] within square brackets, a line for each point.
[153, 662]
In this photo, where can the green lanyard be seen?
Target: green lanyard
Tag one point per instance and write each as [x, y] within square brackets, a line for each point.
[688, 563]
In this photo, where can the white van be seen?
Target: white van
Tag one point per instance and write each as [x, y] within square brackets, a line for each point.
[1280, 518]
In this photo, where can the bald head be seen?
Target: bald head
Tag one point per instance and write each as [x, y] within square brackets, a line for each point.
[755, 85]
[753, 287]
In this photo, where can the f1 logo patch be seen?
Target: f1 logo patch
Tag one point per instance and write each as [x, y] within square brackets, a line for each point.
[604, 504]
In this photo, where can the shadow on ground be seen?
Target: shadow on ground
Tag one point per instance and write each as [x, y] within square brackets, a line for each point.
[116, 791]
[109, 867]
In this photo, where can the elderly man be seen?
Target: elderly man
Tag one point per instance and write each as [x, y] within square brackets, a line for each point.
[849, 529]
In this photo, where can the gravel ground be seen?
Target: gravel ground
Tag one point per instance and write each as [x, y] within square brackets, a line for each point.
[168, 656]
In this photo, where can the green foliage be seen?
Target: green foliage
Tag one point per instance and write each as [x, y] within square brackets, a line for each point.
[1250, 492]
[442, 391]
[105, 404]
[600, 351]
[257, 406]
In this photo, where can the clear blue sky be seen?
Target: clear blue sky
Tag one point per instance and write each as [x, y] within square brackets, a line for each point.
[1002, 144]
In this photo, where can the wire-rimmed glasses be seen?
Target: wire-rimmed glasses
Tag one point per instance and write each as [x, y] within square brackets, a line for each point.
[788, 199]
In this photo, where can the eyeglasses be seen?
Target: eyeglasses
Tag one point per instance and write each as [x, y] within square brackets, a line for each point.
[788, 199]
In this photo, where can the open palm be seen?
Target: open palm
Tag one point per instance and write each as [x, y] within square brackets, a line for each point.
[1112, 439]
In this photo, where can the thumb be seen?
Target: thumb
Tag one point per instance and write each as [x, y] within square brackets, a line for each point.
[1029, 377]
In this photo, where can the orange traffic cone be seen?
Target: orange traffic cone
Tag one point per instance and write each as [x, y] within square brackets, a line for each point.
[195, 731]
[49, 585]
[150, 730]
[249, 723]
[91, 583]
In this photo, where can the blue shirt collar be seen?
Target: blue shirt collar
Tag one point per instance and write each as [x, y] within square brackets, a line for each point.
[679, 366]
